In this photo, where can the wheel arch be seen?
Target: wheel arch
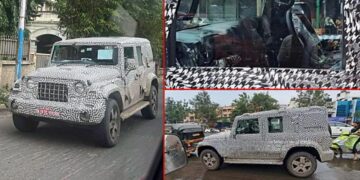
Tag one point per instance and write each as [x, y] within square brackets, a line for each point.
[202, 148]
[151, 80]
[313, 151]
[117, 97]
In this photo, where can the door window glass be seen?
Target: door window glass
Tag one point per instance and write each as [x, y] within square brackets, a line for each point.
[139, 55]
[275, 124]
[249, 126]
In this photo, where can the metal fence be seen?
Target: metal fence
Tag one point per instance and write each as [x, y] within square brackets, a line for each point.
[9, 46]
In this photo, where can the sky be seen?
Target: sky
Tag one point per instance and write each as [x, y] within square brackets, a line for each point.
[226, 97]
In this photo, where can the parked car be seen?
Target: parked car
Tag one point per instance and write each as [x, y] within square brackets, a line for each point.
[189, 133]
[95, 82]
[338, 127]
[296, 138]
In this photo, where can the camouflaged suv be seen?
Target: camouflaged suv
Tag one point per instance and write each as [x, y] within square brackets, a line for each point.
[296, 138]
[89, 81]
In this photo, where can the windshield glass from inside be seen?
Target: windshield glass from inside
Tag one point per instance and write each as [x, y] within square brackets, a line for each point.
[85, 54]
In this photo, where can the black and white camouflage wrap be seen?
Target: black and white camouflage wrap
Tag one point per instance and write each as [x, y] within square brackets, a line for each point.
[223, 78]
[302, 127]
[99, 81]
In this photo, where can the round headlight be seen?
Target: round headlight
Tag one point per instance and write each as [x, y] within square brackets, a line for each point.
[30, 84]
[79, 87]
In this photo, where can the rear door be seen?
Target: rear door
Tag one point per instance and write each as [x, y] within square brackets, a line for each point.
[275, 137]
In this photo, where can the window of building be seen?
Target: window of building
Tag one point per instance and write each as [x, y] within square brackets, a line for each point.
[275, 124]
[249, 126]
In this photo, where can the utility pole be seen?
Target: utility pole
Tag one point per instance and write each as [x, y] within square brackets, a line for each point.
[21, 38]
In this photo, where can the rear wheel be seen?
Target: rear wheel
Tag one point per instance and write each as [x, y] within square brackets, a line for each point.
[301, 164]
[150, 111]
[108, 132]
[24, 124]
[210, 159]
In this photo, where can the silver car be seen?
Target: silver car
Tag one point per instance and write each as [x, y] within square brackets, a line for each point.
[296, 138]
[97, 82]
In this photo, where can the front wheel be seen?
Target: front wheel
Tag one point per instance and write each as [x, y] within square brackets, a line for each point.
[150, 111]
[24, 124]
[301, 164]
[210, 159]
[108, 132]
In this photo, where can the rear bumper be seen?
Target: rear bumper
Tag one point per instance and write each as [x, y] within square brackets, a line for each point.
[326, 155]
[60, 111]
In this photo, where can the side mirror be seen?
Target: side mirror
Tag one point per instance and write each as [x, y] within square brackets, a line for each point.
[175, 155]
[130, 65]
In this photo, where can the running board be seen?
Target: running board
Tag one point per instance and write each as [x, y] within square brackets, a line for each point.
[134, 109]
[253, 161]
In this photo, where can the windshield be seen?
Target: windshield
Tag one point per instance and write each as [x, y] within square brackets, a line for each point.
[215, 11]
[97, 55]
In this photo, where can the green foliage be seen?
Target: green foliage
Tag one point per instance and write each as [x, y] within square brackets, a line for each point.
[84, 18]
[148, 14]
[3, 95]
[258, 102]
[9, 14]
[204, 108]
[89, 18]
[176, 111]
[311, 98]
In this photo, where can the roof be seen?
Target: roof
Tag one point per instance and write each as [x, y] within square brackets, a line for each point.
[271, 112]
[104, 40]
[181, 126]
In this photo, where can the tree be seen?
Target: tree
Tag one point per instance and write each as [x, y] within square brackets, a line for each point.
[311, 98]
[176, 111]
[258, 102]
[9, 14]
[86, 18]
[148, 14]
[204, 108]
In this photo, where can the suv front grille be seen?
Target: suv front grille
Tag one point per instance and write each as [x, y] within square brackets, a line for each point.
[52, 92]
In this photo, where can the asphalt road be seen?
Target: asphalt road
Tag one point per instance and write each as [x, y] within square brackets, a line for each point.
[64, 152]
[338, 169]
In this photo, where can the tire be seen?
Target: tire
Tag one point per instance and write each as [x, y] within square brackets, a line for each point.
[149, 112]
[301, 164]
[24, 124]
[210, 159]
[108, 131]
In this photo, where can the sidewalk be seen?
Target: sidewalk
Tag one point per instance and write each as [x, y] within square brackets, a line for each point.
[3, 108]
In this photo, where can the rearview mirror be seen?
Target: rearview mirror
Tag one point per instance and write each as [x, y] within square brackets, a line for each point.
[175, 155]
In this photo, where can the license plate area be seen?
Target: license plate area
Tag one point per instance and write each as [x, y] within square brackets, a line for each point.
[47, 112]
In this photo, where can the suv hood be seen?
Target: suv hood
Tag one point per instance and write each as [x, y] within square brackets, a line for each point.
[218, 136]
[76, 72]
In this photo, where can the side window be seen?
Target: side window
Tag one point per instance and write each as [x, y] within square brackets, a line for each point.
[249, 126]
[275, 124]
[129, 52]
[139, 55]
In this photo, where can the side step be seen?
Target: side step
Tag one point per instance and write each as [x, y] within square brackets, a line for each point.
[133, 109]
[254, 161]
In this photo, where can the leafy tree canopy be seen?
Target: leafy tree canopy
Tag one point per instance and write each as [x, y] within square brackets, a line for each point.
[258, 102]
[311, 98]
[204, 108]
[9, 14]
[87, 18]
[176, 111]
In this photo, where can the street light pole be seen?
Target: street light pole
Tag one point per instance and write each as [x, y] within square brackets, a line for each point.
[20, 38]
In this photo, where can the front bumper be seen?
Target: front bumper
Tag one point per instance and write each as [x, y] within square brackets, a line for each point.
[65, 111]
[326, 155]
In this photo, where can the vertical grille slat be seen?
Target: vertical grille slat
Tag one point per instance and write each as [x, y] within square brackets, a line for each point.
[52, 92]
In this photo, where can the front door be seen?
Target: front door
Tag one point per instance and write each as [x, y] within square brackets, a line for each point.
[247, 142]
[132, 78]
